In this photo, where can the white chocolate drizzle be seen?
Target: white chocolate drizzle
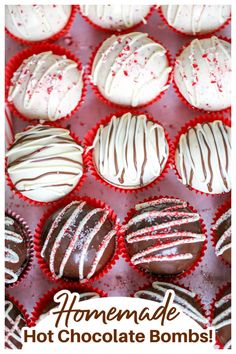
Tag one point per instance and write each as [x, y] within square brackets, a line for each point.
[12, 327]
[162, 232]
[81, 239]
[223, 319]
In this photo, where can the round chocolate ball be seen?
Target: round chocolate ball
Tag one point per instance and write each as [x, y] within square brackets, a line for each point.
[202, 157]
[164, 236]
[14, 322]
[222, 233]
[17, 244]
[222, 317]
[186, 299]
[78, 240]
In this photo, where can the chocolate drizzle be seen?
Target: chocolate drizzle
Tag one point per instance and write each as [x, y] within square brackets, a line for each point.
[130, 151]
[45, 157]
[202, 157]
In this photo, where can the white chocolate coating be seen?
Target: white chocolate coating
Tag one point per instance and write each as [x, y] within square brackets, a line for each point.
[130, 69]
[9, 133]
[45, 163]
[116, 17]
[36, 22]
[203, 157]
[202, 74]
[196, 19]
[130, 151]
[46, 86]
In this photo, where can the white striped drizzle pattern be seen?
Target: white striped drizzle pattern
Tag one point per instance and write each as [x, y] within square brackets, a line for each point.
[76, 238]
[151, 232]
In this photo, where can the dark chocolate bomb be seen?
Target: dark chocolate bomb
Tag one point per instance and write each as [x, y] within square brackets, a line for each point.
[14, 322]
[164, 236]
[222, 318]
[16, 249]
[222, 233]
[78, 240]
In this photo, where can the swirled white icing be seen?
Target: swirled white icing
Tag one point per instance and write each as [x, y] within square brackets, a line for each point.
[36, 22]
[202, 74]
[196, 19]
[46, 86]
[130, 151]
[9, 134]
[45, 163]
[116, 17]
[203, 157]
[130, 69]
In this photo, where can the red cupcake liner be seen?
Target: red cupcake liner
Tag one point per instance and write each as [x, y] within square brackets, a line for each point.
[9, 131]
[37, 244]
[175, 282]
[110, 30]
[21, 308]
[218, 295]
[152, 276]
[88, 141]
[15, 62]
[221, 210]
[30, 248]
[37, 203]
[116, 105]
[200, 119]
[56, 36]
[160, 12]
[48, 296]
[179, 94]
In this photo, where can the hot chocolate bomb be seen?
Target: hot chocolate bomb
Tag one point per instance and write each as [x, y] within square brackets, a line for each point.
[78, 240]
[164, 236]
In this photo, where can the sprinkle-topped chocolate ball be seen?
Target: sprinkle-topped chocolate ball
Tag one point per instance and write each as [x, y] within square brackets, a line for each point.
[130, 69]
[130, 151]
[45, 163]
[203, 157]
[46, 86]
[115, 17]
[36, 22]
[164, 236]
[202, 74]
[196, 19]
[222, 234]
[16, 248]
[222, 318]
[14, 322]
[186, 299]
[78, 240]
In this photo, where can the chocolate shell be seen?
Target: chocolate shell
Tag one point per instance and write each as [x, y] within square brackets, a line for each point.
[164, 236]
[16, 249]
[78, 240]
[14, 322]
[222, 317]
